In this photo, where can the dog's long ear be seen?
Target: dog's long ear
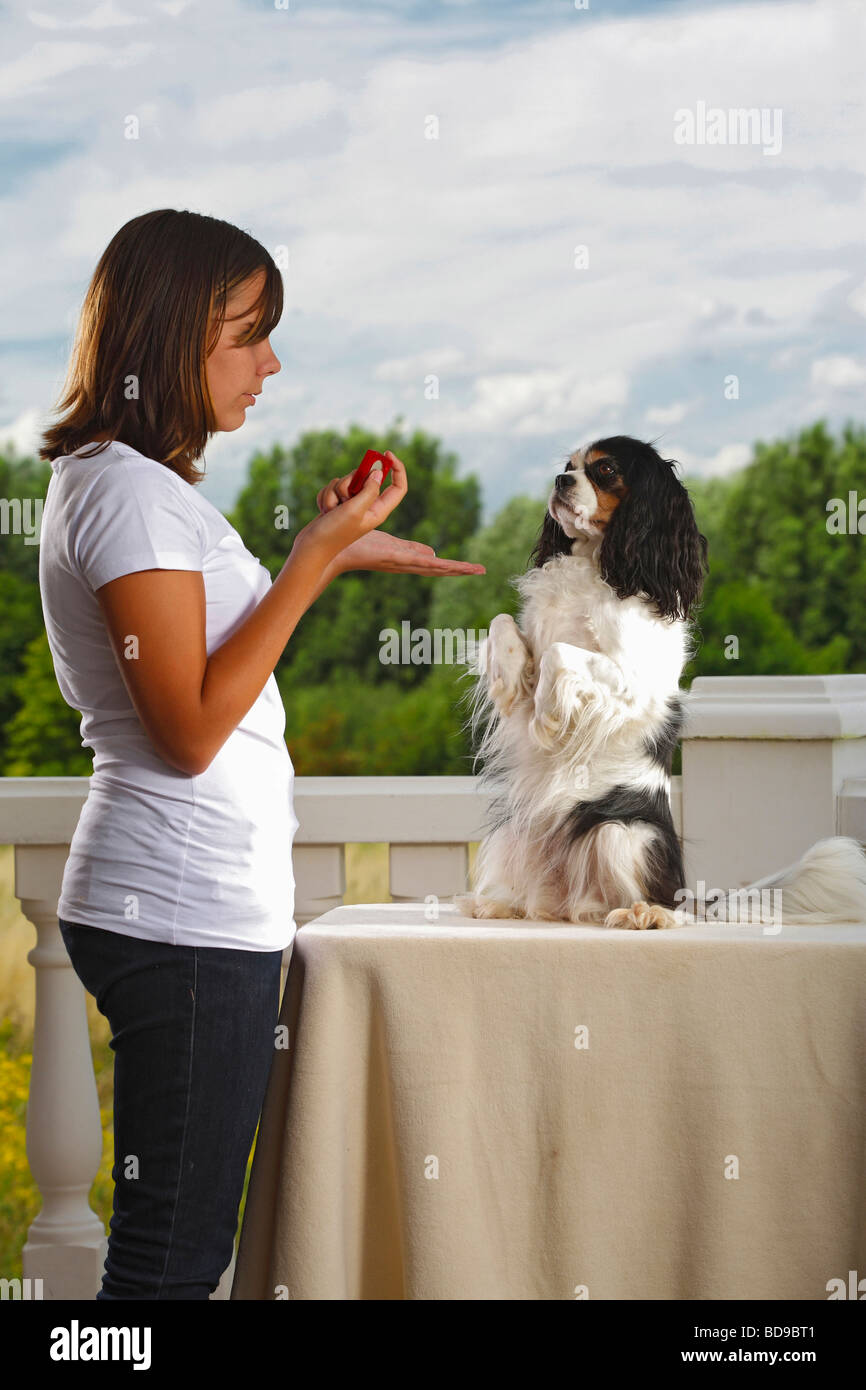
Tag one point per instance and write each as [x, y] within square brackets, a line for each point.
[652, 544]
[552, 540]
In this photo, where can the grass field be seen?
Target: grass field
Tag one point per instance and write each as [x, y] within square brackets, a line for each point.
[366, 881]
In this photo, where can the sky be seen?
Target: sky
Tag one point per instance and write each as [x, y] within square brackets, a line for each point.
[520, 227]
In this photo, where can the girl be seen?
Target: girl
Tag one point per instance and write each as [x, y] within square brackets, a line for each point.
[177, 900]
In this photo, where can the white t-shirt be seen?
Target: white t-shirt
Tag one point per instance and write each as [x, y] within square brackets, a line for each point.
[194, 861]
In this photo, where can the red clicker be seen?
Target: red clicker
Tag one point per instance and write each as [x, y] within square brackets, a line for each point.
[359, 477]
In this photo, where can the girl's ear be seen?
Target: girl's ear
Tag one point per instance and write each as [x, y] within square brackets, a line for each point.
[552, 541]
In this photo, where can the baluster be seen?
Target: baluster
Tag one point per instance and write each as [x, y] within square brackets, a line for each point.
[66, 1243]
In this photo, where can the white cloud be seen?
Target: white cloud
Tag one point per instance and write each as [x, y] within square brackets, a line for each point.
[729, 458]
[415, 368]
[260, 114]
[857, 298]
[106, 16]
[540, 402]
[173, 8]
[24, 433]
[43, 65]
[838, 372]
[785, 358]
[666, 414]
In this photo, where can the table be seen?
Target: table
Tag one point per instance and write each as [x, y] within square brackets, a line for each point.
[517, 1110]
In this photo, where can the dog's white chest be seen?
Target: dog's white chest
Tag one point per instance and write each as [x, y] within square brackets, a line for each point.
[576, 628]
[565, 604]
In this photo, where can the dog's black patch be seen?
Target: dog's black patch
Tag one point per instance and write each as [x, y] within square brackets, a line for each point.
[664, 873]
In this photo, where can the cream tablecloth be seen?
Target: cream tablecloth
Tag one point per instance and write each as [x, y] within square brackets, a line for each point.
[510, 1110]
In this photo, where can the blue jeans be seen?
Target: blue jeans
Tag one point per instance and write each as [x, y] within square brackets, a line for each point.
[193, 1040]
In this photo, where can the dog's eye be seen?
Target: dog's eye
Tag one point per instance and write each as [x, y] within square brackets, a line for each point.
[606, 470]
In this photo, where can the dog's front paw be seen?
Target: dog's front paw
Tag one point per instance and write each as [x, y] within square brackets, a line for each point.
[557, 694]
[507, 662]
[642, 917]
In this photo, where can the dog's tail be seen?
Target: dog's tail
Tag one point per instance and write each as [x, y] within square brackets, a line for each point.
[828, 884]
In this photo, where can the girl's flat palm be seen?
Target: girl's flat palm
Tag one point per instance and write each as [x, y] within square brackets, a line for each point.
[378, 551]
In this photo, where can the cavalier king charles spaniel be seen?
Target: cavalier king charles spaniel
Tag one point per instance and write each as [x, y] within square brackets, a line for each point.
[582, 710]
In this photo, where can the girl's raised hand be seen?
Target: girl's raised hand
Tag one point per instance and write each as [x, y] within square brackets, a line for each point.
[342, 519]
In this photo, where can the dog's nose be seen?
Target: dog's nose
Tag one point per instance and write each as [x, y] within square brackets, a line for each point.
[564, 481]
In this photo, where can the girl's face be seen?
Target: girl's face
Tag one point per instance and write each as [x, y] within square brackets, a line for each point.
[235, 374]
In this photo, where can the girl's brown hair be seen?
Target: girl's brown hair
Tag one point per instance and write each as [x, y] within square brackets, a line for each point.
[153, 312]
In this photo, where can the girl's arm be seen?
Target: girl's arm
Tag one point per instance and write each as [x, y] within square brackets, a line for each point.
[187, 702]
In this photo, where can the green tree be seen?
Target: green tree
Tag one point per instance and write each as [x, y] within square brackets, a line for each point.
[346, 729]
[43, 737]
[21, 480]
[23, 483]
[21, 623]
[768, 524]
[765, 644]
